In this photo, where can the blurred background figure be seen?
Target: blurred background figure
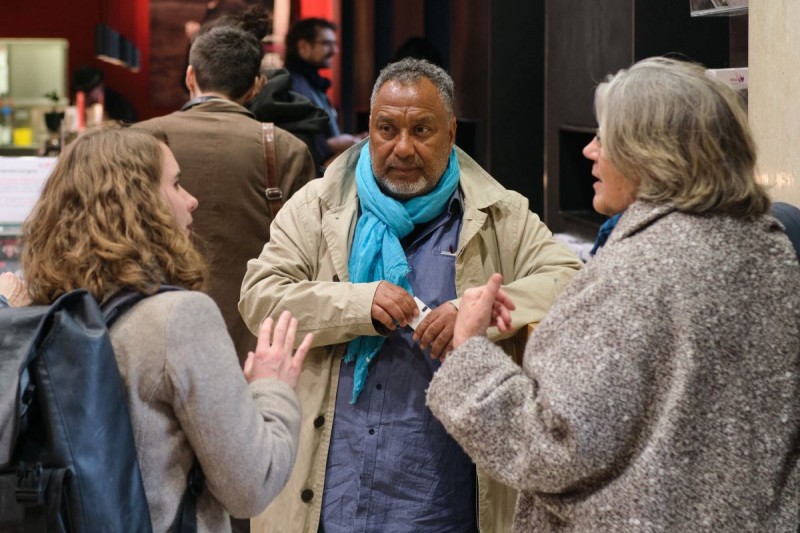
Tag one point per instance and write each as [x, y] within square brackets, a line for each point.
[90, 80]
[216, 9]
[418, 48]
[291, 111]
[789, 216]
[276, 102]
[311, 45]
[250, 15]
[253, 17]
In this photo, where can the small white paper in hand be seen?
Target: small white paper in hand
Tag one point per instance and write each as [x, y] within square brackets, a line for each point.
[423, 312]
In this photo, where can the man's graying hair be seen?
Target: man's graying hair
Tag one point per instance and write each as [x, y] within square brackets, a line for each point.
[410, 71]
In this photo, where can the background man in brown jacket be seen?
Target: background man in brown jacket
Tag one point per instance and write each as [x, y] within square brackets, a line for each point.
[218, 145]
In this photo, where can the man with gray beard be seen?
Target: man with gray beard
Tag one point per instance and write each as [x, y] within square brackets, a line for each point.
[373, 259]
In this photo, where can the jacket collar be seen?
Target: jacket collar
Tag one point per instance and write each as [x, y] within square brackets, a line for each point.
[480, 189]
[341, 175]
[215, 105]
[637, 217]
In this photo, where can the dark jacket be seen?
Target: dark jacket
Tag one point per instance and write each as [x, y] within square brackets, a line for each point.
[291, 111]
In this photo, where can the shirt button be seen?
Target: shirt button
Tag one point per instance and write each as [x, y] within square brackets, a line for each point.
[307, 495]
[379, 386]
[371, 431]
[319, 421]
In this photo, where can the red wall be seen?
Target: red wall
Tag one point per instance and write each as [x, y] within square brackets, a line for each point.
[75, 20]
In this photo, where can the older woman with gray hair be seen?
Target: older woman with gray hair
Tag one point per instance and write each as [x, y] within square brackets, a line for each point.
[661, 392]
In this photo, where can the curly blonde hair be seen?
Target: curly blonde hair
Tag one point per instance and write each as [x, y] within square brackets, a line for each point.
[683, 136]
[102, 225]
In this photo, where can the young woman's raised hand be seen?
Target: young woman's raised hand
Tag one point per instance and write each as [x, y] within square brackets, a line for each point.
[273, 357]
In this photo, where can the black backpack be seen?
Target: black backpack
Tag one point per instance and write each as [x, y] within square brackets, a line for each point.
[67, 454]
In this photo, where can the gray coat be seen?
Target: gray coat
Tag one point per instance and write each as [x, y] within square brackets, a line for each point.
[661, 392]
[187, 397]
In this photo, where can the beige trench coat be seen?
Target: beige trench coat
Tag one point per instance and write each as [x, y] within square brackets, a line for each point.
[304, 269]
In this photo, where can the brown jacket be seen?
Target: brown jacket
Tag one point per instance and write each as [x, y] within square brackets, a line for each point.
[219, 149]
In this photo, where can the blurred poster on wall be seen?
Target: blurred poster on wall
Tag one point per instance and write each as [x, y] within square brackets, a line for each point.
[21, 182]
[173, 25]
[10, 251]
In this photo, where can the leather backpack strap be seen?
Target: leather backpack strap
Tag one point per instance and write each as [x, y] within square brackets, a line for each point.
[274, 193]
[185, 520]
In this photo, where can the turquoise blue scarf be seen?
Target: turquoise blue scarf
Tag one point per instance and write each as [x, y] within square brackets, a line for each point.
[377, 253]
[604, 233]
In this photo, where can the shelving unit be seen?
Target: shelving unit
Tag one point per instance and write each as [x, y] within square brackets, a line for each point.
[725, 8]
[586, 41]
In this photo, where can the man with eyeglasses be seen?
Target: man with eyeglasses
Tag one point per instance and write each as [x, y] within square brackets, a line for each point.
[310, 46]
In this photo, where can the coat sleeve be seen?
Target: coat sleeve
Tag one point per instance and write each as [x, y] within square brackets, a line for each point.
[542, 267]
[576, 410]
[244, 436]
[535, 267]
[286, 276]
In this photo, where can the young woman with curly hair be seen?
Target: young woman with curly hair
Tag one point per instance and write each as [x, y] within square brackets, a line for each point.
[113, 216]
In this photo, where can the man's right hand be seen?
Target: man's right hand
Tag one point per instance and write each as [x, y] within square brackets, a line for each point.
[393, 306]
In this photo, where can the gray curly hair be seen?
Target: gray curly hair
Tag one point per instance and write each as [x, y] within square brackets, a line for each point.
[410, 71]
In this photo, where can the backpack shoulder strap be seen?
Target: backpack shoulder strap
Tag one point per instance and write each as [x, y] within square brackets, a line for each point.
[185, 520]
[116, 305]
[273, 192]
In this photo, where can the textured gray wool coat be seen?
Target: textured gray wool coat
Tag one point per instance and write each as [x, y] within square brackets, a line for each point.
[661, 392]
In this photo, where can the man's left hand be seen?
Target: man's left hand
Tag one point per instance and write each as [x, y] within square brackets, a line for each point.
[436, 330]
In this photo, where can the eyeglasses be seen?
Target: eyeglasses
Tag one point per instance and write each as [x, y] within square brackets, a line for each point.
[326, 42]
